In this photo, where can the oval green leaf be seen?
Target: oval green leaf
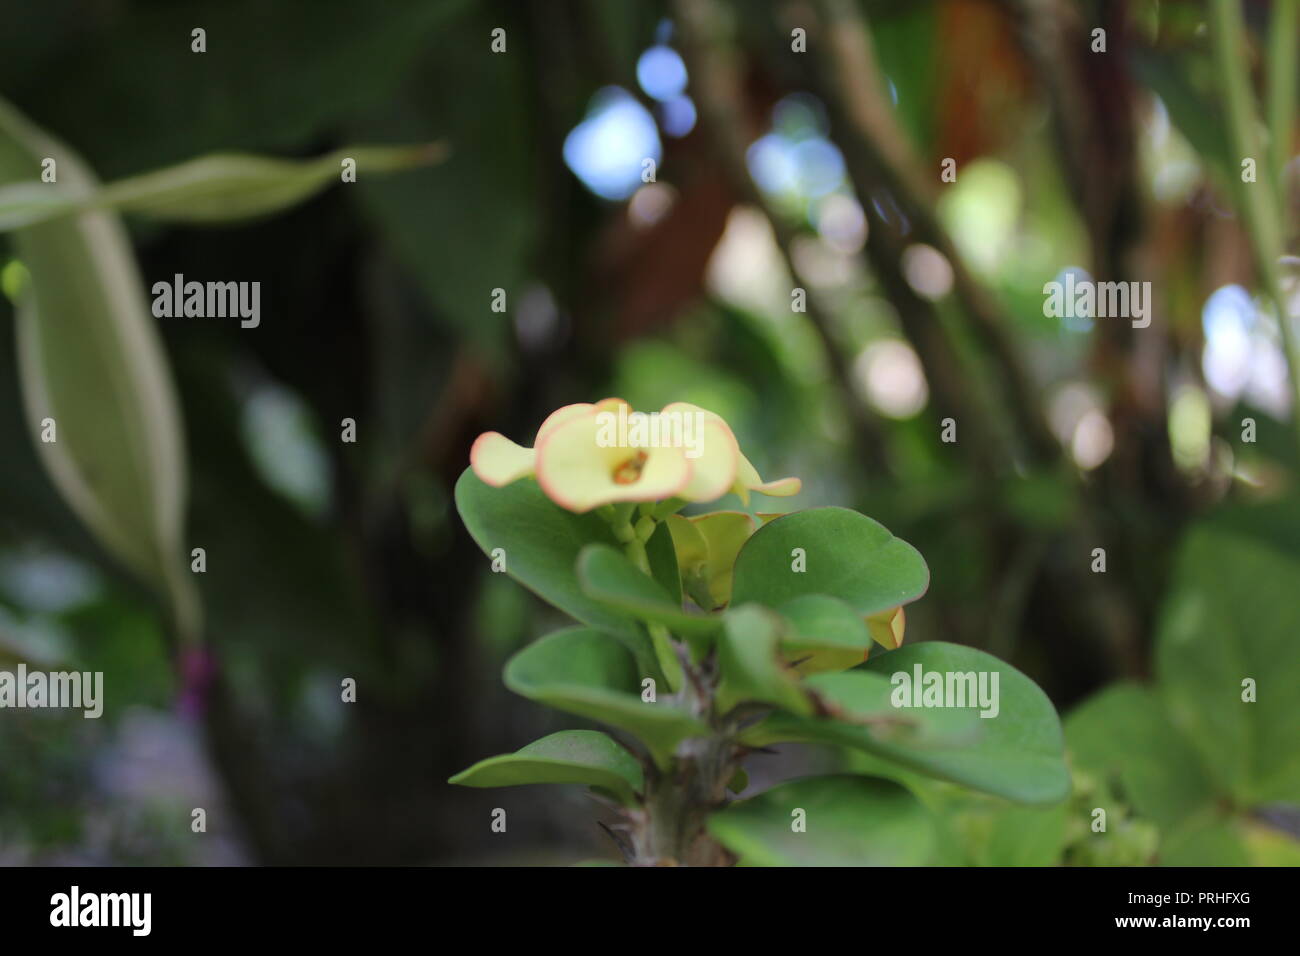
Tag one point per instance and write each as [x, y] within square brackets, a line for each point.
[1020, 752]
[606, 575]
[570, 756]
[825, 634]
[843, 554]
[541, 542]
[582, 671]
[751, 664]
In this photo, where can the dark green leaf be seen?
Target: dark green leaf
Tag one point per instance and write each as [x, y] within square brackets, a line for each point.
[541, 542]
[825, 634]
[1019, 755]
[609, 577]
[847, 554]
[570, 756]
[749, 658]
[588, 673]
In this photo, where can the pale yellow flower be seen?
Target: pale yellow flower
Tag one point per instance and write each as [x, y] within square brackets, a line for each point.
[585, 456]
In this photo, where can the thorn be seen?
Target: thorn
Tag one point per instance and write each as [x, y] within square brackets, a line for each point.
[623, 846]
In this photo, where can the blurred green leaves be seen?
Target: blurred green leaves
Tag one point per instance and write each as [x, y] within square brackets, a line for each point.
[98, 393]
[828, 821]
[1216, 740]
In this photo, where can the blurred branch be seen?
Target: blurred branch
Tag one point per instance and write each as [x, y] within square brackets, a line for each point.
[878, 154]
[1092, 105]
[711, 63]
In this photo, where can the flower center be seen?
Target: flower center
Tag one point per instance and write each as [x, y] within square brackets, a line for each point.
[630, 470]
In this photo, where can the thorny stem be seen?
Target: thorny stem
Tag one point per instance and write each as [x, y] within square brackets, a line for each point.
[668, 829]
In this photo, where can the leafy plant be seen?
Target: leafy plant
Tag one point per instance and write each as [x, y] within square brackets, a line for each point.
[91, 361]
[1210, 754]
[708, 637]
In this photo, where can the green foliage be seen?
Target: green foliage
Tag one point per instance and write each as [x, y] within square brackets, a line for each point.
[570, 756]
[849, 820]
[541, 543]
[221, 188]
[848, 556]
[1215, 741]
[92, 368]
[775, 664]
[586, 672]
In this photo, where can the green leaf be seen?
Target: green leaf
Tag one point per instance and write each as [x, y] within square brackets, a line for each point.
[582, 671]
[749, 658]
[90, 358]
[848, 820]
[1019, 755]
[858, 713]
[847, 555]
[570, 756]
[1231, 615]
[220, 188]
[541, 542]
[606, 575]
[1124, 732]
[825, 634]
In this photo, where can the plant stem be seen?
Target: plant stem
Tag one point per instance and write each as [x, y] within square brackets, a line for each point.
[1261, 207]
[1285, 34]
[670, 827]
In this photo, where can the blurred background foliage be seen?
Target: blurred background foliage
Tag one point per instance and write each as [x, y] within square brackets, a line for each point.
[773, 170]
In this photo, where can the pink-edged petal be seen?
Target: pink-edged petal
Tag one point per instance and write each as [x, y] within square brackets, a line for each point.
[715, 458]
[714, 471]
[498, 461]
[561, 415]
